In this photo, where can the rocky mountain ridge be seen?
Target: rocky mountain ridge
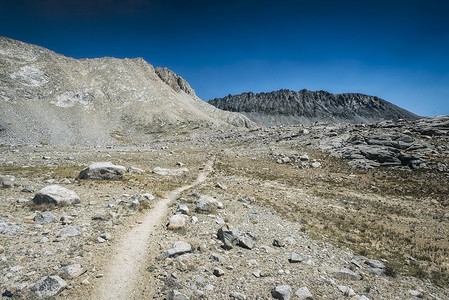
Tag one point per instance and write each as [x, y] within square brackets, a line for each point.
[48, 98]
[286, 107]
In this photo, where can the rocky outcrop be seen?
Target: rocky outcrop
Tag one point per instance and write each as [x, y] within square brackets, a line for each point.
[285, 107]
[47, 98]
[175, 81]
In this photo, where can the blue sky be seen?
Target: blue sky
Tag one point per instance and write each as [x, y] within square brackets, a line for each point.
[397, 50]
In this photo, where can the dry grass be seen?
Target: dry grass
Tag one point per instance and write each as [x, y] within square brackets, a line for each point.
[395, 216]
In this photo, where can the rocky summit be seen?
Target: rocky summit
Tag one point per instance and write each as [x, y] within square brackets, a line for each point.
[285, 107]
[48, 98]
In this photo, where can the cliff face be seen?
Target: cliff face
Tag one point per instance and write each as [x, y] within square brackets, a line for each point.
[285, 107]
[49, 98]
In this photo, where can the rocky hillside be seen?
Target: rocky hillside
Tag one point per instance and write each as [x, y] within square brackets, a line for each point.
[285, 107]
[49, 98]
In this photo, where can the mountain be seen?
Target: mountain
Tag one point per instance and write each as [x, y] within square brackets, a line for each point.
[48, 98]
[286, 107]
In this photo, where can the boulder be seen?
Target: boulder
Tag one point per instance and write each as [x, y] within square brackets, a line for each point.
[49, 286]
[55, 194]
[103, 170]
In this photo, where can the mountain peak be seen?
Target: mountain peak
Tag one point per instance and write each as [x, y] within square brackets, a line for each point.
[286, 107]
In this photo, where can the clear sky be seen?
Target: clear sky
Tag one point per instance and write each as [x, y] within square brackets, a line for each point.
[397, 50]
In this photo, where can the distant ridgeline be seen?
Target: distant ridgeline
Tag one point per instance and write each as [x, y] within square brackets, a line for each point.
[285, 107]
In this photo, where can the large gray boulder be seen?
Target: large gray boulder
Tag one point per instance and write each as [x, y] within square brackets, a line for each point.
[55, 194]
[103, 170]
[49, 286]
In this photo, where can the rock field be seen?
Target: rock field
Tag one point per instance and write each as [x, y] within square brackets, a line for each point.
[325, 211]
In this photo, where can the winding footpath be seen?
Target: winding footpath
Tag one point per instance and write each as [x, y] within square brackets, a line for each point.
[125, 267]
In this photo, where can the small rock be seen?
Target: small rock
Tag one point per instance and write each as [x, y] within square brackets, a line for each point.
[100, 218]
[176, 222]
[49, 286]
[347, 291]
[345, 273]
[85, 282]
[415, 293]
[2, 249]
[6, 181]
[278, 243]
[170, 172]
[106, 236]
[10, 230]
[45, 217]
[182, 209]
[69, 231]
[303, 293]
[246, 242]
[217, 257]
[135, 170]
[65, 220]
[175, 295]
[64, 181]
[237, 296]
[316, 165]
[304, 157]
[374, 263]
[72, 271]
[178, 248]
[221, 186]
[218, 272]
[55, 194]
[228, 236]
[295, 258]
[282, 292]
[101, 240]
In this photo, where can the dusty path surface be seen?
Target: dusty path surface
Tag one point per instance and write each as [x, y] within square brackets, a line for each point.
[125, 267]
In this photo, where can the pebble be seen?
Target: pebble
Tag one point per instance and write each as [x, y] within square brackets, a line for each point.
[218, 272]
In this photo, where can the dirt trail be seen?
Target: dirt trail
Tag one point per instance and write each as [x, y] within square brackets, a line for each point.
[122, 275]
